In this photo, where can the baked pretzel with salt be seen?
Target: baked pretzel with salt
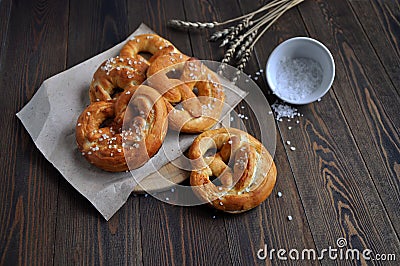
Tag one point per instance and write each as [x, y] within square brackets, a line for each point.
[114, 75]
[113, 144]
[244, 170]
[145, 43]
[143, 113]
[177, 77]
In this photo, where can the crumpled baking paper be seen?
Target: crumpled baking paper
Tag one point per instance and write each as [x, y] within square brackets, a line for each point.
[50, 118]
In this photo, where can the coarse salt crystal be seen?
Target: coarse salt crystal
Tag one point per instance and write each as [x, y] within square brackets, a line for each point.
[283, 110]
[293, 148]
[297, 78]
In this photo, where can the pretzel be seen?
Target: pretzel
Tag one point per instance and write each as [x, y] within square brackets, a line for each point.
[116, 73]
[245, 170]
[188, 112]
[165, 59]
[145, 124]
[105, 143]
[145, 43]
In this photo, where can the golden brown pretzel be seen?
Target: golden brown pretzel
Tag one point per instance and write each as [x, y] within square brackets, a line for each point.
[188, 112]
[145, 43]
[116, 73]
[145, 124]
[165, 59]
[100, 145]
[246, 171]
[103, 141]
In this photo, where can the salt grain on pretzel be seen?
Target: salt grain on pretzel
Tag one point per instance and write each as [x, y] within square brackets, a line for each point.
[244, 168]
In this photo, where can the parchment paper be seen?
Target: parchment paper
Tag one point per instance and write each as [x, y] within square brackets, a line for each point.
[50, 118]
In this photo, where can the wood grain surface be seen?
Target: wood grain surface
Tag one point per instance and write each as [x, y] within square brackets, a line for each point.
[342, 181]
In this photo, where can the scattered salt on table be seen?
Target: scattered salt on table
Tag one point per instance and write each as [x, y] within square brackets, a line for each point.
[298, 77]
[283, 110]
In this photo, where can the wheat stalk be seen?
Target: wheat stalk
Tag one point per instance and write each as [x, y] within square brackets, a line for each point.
[241, 38]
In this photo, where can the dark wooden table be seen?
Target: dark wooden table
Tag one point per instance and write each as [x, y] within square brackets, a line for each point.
[343, 180]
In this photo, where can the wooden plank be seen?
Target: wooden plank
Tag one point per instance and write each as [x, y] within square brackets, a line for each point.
[32, 50]
[381, 22]
[267, 224]
[156, 14]
[95, 26]
[368, 99]
[83, 236]
[5, 10]
[336, 187]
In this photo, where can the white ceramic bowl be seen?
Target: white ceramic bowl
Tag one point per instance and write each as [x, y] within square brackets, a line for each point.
[302, 47]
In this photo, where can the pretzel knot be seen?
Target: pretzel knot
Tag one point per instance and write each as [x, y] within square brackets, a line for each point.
[114, 75]
[193, 94]
[238, 177]
[145, 43]
[122, 135]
